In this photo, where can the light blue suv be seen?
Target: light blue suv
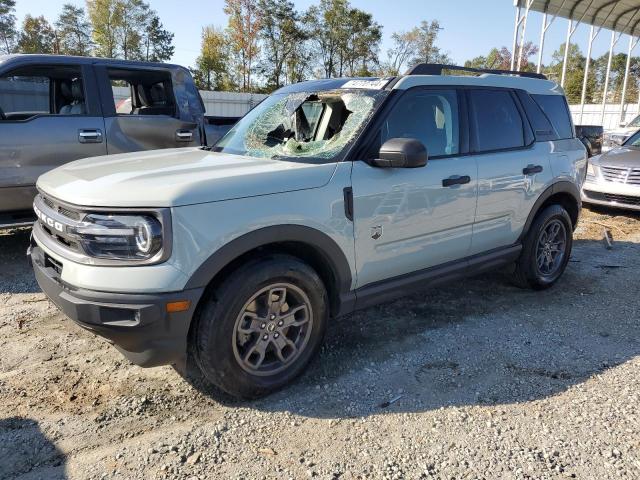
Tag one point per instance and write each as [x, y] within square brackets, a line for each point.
[330, 196]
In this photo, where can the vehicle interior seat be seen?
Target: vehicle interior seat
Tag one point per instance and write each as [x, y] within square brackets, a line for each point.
[67, 97]
[77, 105]
[153, 100]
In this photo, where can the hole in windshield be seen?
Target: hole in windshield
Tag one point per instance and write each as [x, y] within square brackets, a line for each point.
[302, 125]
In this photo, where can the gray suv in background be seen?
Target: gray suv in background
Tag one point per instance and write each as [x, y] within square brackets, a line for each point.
[329, 196]
[55, 109]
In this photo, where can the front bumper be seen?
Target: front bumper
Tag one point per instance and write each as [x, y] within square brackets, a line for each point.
[137, 324]
[611, 194]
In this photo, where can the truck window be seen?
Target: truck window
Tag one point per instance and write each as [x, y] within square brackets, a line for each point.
[429, 116]
[142, 92]
[41, 90]
[496, 120]
[555, 108]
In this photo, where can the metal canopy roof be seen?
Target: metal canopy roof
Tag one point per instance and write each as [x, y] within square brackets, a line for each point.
[617, 15]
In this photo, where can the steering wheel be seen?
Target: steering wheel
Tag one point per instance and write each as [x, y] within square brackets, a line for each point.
[2, 115]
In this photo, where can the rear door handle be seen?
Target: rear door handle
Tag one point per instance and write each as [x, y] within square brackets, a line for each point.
[531, 169]
[456, 180]
[184, 135]
[90, 135]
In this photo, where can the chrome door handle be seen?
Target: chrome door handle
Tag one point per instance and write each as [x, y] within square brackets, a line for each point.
[184, 135]
[90, 136]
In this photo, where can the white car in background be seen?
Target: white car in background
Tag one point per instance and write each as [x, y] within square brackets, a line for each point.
[615, 138]
[613, 178]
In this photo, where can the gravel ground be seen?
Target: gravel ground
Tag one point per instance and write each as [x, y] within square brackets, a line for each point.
[476, 380]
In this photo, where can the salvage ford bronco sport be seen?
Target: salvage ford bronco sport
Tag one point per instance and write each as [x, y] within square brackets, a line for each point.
[331, 195]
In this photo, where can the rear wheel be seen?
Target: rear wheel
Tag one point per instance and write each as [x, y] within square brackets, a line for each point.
[546, 249]
[261, 328]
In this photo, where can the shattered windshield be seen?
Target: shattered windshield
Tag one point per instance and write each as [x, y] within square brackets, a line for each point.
[302, 126]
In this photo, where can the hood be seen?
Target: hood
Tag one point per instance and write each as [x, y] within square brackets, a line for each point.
[622, 157]
[174, 177]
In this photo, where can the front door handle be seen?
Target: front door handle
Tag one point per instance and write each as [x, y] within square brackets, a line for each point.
[531, 169]
[93, 135]
[456, 180]
[184, 135]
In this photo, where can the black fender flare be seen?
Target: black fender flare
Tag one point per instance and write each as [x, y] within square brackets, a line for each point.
[322, 244]
[558, 187]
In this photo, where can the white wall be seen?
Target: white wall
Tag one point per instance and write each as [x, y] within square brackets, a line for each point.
[593, 115]
[219, 104]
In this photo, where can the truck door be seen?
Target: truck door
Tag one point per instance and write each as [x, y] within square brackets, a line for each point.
[142, 112]
[49, 115]
[409, 219]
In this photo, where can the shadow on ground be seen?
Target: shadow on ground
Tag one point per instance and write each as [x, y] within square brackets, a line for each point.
[27, 453]
[476, 342]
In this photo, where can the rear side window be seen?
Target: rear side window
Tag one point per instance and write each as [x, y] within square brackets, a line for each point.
[142, 92]
[555, 108]
[542, 128]
[497, 121]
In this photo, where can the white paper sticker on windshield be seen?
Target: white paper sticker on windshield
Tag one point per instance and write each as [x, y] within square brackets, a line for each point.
[368, 84]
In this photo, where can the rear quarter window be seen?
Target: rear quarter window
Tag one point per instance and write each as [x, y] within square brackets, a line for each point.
[556, 110]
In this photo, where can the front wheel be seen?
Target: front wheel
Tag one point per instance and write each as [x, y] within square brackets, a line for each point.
[261, 328]
[546, 249]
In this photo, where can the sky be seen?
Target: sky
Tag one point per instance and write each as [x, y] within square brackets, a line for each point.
[470, 27]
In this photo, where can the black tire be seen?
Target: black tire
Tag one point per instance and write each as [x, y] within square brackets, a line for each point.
[217, 335]
[528, 273]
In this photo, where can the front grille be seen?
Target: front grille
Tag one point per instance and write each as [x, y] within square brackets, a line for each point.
[57, 220]
[629, 176]
[61, 209]
[623, 199]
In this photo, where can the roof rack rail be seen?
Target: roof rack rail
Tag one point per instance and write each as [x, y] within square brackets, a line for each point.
[437, 68]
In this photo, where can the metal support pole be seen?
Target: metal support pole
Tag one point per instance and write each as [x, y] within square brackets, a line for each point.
[524, 29]
[516, 27]
[606, 78]
[632, 45]
[592, 36]
[567, 44]
[543, 34]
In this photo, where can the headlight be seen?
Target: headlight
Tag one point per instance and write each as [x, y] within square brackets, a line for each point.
[120, 237]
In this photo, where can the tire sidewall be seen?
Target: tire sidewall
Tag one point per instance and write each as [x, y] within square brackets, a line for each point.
[216, 326]
[551, 213]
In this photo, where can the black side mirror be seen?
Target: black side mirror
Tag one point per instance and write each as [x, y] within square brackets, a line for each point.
[401, 153]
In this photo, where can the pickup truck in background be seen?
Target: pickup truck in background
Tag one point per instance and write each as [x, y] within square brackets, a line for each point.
[591, 137]
[55, 109]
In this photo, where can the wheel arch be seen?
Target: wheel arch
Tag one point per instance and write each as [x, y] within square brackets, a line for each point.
[562, 193]
[308, 244]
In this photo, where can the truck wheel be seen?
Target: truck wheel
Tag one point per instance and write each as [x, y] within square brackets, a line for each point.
[546, 249]
[260, 329]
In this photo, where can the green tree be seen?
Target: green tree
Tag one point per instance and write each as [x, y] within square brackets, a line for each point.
[158, 42]
[415, 46]
[281, 34]
[500, 59]
[131, 26]
[8, 32]
[426, 49]
[327, 28]
[243, 32]
[573, 83]
[359, 53]
[37, 36]
[104, 17]
[211, 72]
[74, 31]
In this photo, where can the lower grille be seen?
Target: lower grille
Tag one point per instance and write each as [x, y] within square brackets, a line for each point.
[624, 199]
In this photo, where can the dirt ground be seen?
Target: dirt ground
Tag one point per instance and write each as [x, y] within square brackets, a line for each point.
[476, 380]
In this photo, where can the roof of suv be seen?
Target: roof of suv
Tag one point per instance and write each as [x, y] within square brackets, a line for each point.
[403, 82]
